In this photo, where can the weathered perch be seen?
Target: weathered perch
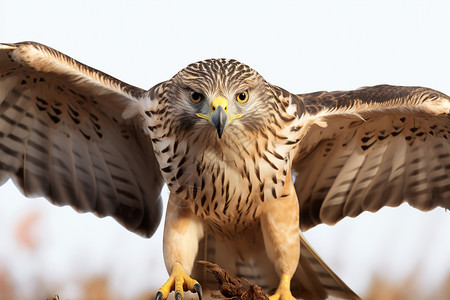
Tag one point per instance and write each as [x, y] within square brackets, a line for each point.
[231, 287]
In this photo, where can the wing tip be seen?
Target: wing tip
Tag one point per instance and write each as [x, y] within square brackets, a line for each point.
[4, 46]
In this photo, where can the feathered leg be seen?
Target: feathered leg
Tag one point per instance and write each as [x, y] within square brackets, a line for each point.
[182, 233]
[280, 227]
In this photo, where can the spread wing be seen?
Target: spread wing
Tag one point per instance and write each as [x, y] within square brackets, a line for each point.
[373, 147]
[64, 136]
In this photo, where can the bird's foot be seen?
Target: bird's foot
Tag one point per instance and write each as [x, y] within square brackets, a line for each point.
[179, 282]
[284, 289]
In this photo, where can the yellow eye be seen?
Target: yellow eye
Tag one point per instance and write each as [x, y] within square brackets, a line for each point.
[242, 97]
[195, 97]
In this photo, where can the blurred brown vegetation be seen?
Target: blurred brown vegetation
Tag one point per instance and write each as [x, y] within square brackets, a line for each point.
[408, 289]
[98, 289]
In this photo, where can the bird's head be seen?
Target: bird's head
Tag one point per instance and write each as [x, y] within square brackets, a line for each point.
[218, 93]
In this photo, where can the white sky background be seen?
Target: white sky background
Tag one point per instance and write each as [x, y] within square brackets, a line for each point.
[302, 46]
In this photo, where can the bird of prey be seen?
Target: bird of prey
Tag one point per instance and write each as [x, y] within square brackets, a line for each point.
[248, 164]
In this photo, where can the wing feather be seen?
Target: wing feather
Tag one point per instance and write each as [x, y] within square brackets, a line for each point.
[373, 147]
[66, 133]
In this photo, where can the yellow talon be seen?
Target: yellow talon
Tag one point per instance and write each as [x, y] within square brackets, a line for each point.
[179, 282]
[284, 289]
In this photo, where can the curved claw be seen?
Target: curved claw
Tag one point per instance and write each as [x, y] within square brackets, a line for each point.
[159, 295]
[178, 295]
[198, 290]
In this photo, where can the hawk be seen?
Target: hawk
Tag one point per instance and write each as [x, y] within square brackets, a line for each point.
[248, 164]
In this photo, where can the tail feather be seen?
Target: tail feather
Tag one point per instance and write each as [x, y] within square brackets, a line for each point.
[313, 279]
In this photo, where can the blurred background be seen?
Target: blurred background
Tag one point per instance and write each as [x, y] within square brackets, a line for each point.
[302, 46]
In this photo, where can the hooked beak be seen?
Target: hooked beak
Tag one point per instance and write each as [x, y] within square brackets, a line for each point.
[219, 119]
[219, 115]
